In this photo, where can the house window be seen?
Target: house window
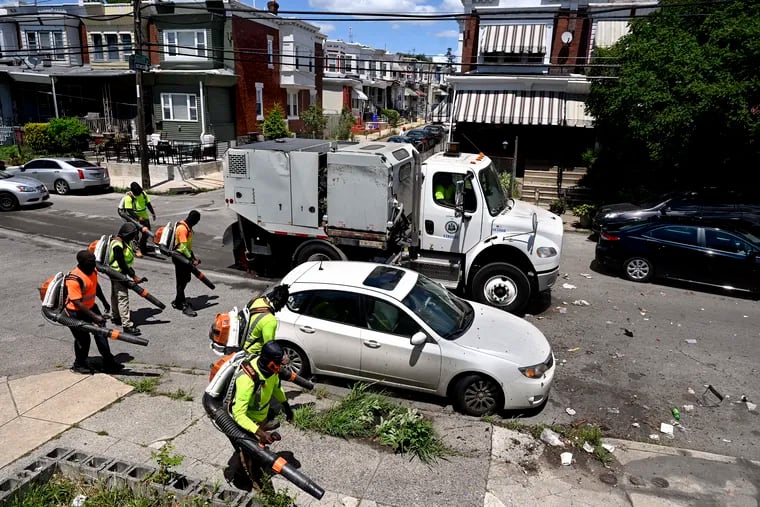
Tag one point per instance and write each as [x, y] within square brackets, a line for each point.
[184, 44]
[259, 101]
[47, 44]
[293, 105]
[331, 65]
[126, 45]
[179, 107]
[111, 47]
[270, 51]
[97, 47]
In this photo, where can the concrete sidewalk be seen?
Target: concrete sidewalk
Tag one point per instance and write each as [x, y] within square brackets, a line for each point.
[490, 466]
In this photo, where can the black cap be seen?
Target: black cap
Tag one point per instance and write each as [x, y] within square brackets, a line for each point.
[278, 296]
[127, 231]
[193, 218]
[271, 352]
[135, 188]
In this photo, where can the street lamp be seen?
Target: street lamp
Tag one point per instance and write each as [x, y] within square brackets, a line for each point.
[505, 145]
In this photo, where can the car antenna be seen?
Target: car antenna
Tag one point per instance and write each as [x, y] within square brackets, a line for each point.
[320, 264]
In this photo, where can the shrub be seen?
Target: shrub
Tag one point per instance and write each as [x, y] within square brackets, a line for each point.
[558, 206]
[68, 135]
[275, 126]
[504, 179]
[584, 210]
[393, 117]
[37, 137]
[345, 123]
[314, 121]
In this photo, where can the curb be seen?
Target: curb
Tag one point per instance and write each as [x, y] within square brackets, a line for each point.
[634, 446]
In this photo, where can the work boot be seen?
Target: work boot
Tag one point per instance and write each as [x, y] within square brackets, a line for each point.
[84, 369]
[116, 322]
[132, 330]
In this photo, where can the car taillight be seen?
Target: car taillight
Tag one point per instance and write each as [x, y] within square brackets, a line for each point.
[105, 171]
[81, 174]
[609, 237]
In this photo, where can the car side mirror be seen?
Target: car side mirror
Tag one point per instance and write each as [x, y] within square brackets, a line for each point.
[459, 199]
[418, 338]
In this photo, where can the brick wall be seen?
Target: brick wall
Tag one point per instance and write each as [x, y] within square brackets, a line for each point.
[153, 44]
[575, 53]
[470, 44]
[84, 41]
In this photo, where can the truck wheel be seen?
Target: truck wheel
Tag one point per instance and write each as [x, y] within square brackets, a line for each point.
[317, 252]
[501, 285]
[477, 396]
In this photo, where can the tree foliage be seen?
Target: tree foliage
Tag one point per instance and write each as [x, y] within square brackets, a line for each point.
[345, 123]
[61, 136]
[393, 117]
[275, 126]
[314, 121]
[683, 107]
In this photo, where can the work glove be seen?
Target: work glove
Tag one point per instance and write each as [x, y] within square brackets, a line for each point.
[196, 261]
[107, 308]
[264, 437]
[288, 411]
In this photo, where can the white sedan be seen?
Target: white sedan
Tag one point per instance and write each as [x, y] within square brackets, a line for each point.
[393, 326]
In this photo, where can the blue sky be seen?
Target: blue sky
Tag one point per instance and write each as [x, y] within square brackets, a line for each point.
[420, 37]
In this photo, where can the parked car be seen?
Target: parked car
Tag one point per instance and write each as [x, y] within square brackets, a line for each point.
[417, 143]
[65, 174]
[715, 253]
[426, 139]
[436, 131]
[17, 191]
[393, 326]
[709, 203]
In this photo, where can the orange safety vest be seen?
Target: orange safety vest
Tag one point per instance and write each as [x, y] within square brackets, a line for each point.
[81, 286]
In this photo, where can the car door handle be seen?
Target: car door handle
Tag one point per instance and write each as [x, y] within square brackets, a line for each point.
[307, 329]
[372, 344]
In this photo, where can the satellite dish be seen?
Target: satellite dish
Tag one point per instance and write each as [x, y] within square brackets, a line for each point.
[32, 62]
[567, 37]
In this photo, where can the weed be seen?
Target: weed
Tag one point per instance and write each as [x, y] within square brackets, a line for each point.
[146, 385]
[102, 433]
[166, 461]
[321, 392]
[179, 394]
[271, 497]
[405, 430]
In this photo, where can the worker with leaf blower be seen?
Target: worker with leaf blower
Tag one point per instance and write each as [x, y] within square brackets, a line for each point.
[183, 244]
[136, 204]
[121, 258]
[82, 288]
[262, 324]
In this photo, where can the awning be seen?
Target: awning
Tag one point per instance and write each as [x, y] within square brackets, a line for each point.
[509, 107]
[575, 114]
[419, 93]
[30, 77]
[513, 39]
[441, 112]
[607, 33]
[441, 93]
[358, 94]
[408, 92]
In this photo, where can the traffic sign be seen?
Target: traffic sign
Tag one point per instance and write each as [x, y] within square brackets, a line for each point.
[139, 62]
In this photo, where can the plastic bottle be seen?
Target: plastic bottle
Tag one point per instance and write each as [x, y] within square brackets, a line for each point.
[676, 414]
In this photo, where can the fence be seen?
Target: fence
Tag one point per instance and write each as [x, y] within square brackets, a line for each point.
[166, 152]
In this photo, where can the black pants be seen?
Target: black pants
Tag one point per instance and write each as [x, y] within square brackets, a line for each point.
[183, 275]
[143, 236]
[82, 341]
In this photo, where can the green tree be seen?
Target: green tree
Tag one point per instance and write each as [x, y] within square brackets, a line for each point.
[682, 108]
[393, 117]
[314, 121]
[68, 135]
[275, 126]
[345, 123]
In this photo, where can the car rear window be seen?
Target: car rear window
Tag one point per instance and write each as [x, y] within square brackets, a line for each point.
[384, 277]
[82, 163]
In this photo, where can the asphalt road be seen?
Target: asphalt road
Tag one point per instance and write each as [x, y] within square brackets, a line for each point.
[621, 348]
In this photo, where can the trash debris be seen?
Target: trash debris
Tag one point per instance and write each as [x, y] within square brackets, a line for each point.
[574, 349]
[688, 408]
[568, 286]
[613, 410]
[588, 447]
[78, 501]
[751, 406]
[635, 425]
[654, 436]
[642, 311]
[609, 322]
[567, 458]
[552, 438]
[570, 411]
[561, 309]
[627, 332]
[690, 391]
[666, 428]
[608, 447]
[727, 440]
[691, 341]
[581, 302]
[586, 275]
[709, 401]
[676, 413]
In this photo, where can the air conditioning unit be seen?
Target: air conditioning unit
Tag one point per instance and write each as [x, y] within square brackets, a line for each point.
[47, 62]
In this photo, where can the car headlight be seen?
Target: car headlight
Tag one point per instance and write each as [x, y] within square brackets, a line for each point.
[538, 370]
[546, 251]
[24, 188]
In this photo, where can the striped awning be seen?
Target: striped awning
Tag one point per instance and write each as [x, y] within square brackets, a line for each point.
[509, 107]
[519, 39]
[575, 113]
[440, 112]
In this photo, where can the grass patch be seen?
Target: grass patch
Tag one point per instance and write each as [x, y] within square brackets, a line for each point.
[179, 394]
[146, 385]
[365, 414]
[321, 392]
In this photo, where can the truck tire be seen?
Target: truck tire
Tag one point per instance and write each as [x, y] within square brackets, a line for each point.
[503, 286]
[318, 251]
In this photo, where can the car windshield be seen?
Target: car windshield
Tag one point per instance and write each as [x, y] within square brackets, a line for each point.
[448, 315]
[496, 198]
[4, 175]
[82, 163]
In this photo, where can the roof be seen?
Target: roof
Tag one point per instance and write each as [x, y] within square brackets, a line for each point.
[351, 274]
[289, 144]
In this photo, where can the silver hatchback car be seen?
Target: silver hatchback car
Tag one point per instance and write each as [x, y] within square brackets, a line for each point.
[65, 174]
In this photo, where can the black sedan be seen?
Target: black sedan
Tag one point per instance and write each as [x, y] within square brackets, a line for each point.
[709, 203]
[403, 139]
[426, 140]
[718, 256]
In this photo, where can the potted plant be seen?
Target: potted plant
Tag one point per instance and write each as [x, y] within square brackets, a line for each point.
[585, 213]
[558, 206]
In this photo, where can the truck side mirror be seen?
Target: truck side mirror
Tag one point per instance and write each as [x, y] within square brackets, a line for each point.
[459, 199]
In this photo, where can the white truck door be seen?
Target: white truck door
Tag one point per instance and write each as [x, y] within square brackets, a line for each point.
[304, 166]
[441, 229]
[271, 180]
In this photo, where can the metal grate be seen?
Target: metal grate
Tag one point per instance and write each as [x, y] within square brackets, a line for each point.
[236, 163]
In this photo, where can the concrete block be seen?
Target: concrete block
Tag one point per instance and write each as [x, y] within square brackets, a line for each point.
[115, 473]
[181, 487]
[10, 487]
[139, 478]
[69, 465]
[220, 496]
[59, 453]
[40, 470]
[92, 466]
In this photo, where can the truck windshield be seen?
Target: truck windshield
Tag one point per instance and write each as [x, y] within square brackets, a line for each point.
[496, 198]
[448, 315]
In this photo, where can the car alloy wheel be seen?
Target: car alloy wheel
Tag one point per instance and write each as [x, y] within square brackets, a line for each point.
[478, 396]
[298, 362]
[638, 269]
[61, 187]
[8, 202]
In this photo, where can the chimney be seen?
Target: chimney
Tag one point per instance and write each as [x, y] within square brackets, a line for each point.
[273, 7]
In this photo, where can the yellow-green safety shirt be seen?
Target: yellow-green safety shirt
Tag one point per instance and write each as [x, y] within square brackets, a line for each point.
[137, 203]
[262, 328]
[250, 406]
[129, 256]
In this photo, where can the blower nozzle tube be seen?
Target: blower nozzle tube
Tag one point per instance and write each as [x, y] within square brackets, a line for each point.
[108, 270]
[113, 334]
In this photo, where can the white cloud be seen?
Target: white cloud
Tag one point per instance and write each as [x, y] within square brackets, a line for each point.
[395, 26]
[452, 6]
[381, 6]
[325, 28]
[448, 34]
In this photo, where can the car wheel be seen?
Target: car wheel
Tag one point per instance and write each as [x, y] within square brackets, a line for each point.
[477, 396]
[317, 252]
[8, 202]
[638, 269]
[501, 285]
[61, 187]
[299, 363]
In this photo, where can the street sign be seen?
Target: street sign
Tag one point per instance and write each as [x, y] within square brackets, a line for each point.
[139, 62]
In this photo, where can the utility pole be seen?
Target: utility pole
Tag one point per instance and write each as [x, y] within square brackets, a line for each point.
[138, 67]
